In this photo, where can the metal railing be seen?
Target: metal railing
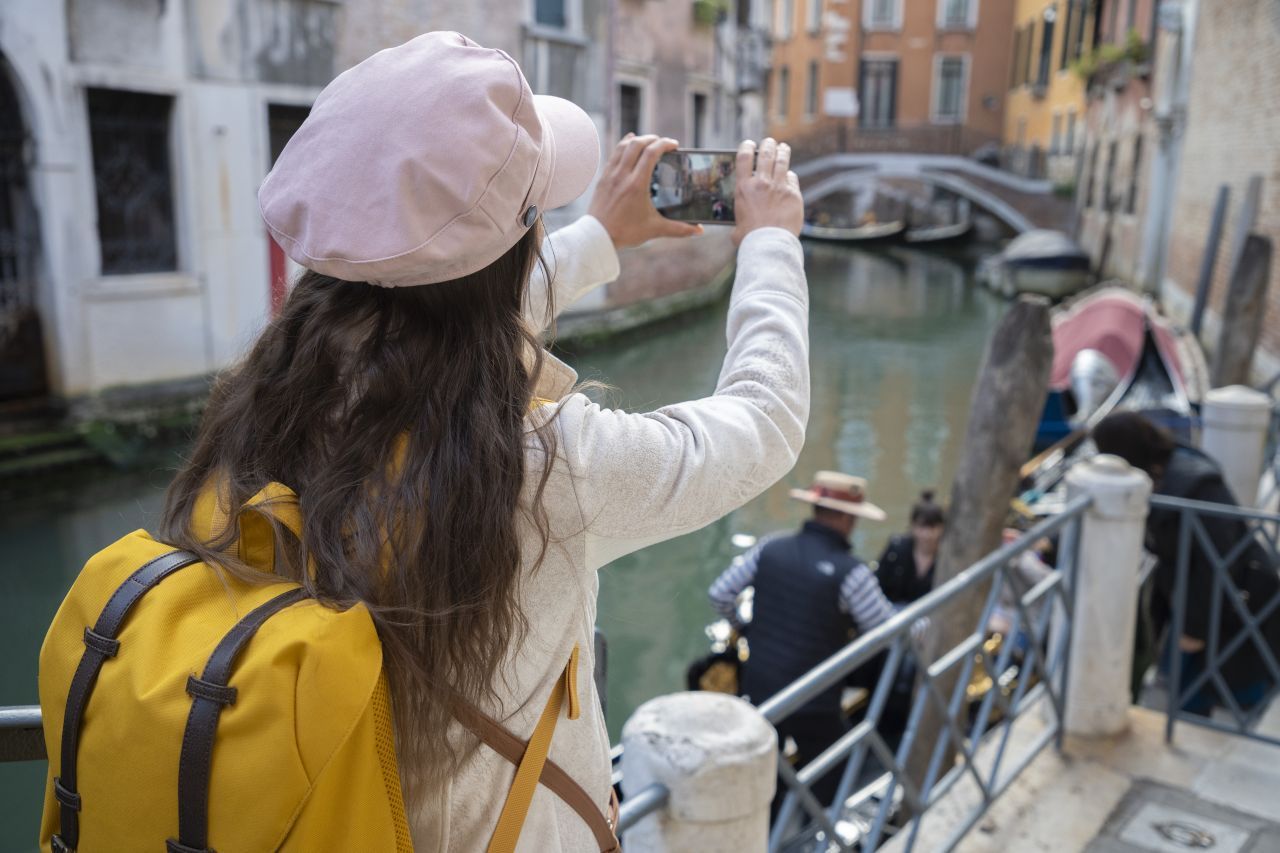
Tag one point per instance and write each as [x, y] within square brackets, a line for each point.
[1226, 572]
[860, 816]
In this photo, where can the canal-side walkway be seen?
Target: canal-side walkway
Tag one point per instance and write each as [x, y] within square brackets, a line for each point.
[1129, 793]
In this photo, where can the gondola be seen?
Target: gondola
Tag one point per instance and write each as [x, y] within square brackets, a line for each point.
[937, 235]
[1112, 352]
[876, 232]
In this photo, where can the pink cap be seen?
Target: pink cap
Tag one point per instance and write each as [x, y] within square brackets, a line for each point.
[425, 163]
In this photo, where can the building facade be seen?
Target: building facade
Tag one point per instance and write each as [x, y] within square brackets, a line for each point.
[1120, 137]
[928, 76]
[1233, 122]
[1044, 113]
[133, 137]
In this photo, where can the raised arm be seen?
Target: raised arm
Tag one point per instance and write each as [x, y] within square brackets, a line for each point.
[582, 256]
[642, 478]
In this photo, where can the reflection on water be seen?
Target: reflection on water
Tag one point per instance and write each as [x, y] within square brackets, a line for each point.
[896, 340]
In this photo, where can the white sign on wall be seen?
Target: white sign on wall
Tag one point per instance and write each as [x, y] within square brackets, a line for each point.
[841, 102]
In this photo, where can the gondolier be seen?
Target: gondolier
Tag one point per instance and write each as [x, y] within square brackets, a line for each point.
[812, 596]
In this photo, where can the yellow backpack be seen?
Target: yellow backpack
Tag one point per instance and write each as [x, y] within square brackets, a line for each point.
[154, 657]
[153, 653]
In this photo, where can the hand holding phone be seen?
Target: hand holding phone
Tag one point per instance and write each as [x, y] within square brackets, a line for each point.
[621, 201]
[747, 188]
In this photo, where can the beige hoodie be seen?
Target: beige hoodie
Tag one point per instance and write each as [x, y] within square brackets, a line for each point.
[622, 481]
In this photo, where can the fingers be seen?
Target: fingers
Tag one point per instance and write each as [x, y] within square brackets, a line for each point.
[793, 181]
[746, 160]
[650, 155]
[635, 147]
[615, 156]
[765, 159]
[782, 163]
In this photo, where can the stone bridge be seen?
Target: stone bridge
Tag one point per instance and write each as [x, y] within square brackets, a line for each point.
[1020, 203]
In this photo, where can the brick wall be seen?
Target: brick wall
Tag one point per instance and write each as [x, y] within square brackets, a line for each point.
[1233, 132]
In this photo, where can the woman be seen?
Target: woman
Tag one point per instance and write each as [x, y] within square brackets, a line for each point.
[906, 567]
[1180, 471]
[449, 475]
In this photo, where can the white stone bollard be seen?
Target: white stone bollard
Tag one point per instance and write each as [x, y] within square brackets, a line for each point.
[1106, 596]
[1235, 435]
[717, 756]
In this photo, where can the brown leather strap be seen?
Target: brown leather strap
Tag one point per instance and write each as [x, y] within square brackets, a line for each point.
[496, 737]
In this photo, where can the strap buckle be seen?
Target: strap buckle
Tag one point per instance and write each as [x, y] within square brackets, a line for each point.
[60, 846]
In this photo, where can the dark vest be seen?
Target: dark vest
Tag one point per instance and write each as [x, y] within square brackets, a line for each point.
[797, 621]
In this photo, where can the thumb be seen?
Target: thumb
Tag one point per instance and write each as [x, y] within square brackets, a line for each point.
[674, 228]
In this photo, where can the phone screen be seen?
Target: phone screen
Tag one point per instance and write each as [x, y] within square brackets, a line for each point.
[695, 186]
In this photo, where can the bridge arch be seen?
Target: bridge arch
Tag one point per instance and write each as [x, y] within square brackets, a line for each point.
[945, 172]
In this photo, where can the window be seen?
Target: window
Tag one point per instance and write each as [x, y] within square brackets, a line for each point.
[813, 16]
[788, 12]
[133, 181]
[811, 92]
[1046, 46]
[550, 13]
[881, 14]
[1135, 175]
[1071, 132]
[699, 134]
[1068, 28]
[784, 91]
[1055, 141]
[1091, 176]
[956, 14]
[879, 92]
[1018, 41]
[1107, 198]
[629, 106]
[1028, 52]
[949, 86]
[283, 121]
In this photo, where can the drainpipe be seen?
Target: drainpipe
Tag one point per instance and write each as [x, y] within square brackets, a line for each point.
[1175, 43]
[611, 83]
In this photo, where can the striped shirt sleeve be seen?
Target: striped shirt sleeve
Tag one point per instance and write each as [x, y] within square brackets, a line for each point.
[862, 599]
[740, 574]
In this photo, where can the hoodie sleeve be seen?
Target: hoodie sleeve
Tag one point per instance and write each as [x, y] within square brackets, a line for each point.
[575, 260]
[643, 478]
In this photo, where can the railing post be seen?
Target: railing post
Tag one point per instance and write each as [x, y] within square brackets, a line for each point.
[1106, 595]
[1235, 434]
[717, 756]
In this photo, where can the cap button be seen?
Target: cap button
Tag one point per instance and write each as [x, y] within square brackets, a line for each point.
[530, 216]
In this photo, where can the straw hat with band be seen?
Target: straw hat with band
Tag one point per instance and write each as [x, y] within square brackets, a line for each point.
[395, 179]
[842, 493]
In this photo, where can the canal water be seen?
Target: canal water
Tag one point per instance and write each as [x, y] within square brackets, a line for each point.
[897, 337]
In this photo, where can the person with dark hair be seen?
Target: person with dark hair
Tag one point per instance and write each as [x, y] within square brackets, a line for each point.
[905, 568]
[1180, 471]
[449, 474]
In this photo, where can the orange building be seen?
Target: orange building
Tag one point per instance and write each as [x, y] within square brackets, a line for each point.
[924, 75]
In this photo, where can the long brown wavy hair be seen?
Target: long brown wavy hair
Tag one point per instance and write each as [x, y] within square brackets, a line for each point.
[398, 415]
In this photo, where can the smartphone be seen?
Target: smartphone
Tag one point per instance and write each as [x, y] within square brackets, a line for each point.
[695, 185]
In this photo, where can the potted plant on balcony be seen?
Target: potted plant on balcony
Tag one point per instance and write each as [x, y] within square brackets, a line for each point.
[710, 11]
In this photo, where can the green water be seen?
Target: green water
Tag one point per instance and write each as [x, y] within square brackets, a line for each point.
[896, 342]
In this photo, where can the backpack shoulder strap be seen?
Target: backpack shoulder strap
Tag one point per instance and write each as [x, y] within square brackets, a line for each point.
[100, 643]
[533, 766]
[209, 694]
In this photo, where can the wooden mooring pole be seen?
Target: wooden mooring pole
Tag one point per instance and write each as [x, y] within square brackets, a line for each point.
[1007, 403]
[1242, 315]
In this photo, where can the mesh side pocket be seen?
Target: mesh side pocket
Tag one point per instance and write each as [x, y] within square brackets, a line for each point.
[385, 739]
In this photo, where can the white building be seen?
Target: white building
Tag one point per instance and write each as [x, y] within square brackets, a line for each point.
[134, 135]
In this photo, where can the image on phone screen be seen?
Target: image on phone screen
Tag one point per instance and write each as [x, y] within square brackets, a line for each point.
[695, 186]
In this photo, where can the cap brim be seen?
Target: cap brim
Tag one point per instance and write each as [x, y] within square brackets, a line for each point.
[865, 509]
[575, 146]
